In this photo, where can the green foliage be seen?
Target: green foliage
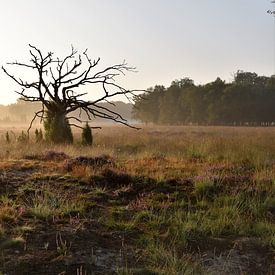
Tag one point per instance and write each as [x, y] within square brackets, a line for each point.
[147, 106]
[45, 204]
[205, 189]
[38, 135]
[166, 260]
[175, 205]
[248, 100]
[87, 137]
[57, 128]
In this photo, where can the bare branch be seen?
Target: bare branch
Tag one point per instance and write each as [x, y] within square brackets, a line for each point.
[37, 114]
[77, 126]
[58, 80]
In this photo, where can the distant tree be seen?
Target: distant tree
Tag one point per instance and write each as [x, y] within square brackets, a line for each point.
[172, 107]
[212, 100]
[87, 137]
[183, 83]
[23, 111]
[245, 78]
[194, 98]
[248, 100]
[147, 107]
[55, 88]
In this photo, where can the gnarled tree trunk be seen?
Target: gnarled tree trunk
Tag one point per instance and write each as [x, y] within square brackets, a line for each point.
[57, 128]
[55, 89]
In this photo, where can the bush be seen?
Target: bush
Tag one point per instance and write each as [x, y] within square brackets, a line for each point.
[23, 137]
[87, 137]
[38, 135]
[8, 140]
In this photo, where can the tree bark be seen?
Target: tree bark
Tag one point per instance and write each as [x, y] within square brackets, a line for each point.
[57, 128]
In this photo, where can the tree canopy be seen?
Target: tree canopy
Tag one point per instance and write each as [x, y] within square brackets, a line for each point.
[248, 100]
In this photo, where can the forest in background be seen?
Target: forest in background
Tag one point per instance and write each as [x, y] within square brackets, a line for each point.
[23, 112]
[248, 100]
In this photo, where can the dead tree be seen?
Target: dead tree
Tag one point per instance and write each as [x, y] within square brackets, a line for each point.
[55, 85]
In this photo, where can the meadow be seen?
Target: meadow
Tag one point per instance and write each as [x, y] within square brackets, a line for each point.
[160, 200]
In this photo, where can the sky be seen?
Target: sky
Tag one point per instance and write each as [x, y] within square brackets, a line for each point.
[164, 39]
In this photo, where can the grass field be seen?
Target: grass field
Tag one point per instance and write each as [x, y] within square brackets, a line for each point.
[161, 200]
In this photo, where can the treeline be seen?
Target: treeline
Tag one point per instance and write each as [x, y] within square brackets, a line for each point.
[23, 112]
[248, 100]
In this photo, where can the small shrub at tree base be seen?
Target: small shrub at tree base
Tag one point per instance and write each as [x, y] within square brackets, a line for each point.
[87, 137]
[8, 140]
[38, 135]
[23, 137]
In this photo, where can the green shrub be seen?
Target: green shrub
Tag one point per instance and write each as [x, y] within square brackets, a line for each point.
[38, 135]
[87, 137]
[8, 140]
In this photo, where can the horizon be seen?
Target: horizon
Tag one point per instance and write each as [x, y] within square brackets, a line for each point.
[164, 41]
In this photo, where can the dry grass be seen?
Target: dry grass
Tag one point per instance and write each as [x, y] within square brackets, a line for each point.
[174, 200]
[193, 143]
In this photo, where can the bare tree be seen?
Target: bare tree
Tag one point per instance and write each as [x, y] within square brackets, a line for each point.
[55, 87]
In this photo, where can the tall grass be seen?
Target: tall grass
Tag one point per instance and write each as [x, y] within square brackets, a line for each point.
[193, 143]
[176, 188]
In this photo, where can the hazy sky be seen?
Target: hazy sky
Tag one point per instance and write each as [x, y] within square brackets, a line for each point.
[164, 39]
